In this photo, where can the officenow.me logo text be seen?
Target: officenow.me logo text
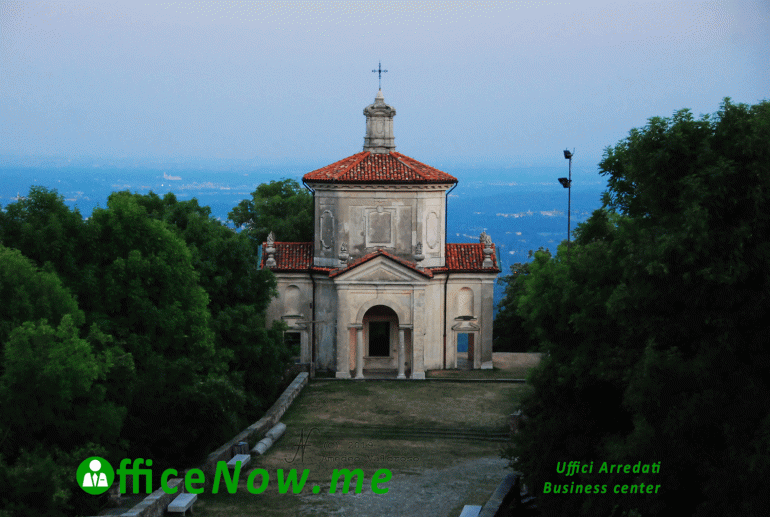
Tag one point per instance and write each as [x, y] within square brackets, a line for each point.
[95, 475]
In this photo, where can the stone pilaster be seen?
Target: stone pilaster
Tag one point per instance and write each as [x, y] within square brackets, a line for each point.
[343, 336]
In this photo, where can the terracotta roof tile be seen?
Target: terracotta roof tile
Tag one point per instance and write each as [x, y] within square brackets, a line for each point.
[460, 258]
[467, 258]
[290, 256]
[366, 167]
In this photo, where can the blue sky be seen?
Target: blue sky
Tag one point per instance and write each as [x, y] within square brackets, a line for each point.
[473, 83]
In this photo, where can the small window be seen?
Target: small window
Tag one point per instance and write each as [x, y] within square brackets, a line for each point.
[292, 341]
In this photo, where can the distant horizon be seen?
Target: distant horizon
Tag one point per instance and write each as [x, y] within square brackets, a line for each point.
[61, 161]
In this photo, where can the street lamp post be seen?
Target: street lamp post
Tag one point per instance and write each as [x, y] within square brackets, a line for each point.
[567, 183]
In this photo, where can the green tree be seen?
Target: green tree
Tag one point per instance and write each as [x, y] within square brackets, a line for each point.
[655, 331]
[44, 229]
[509, 334]
[49, 391]
[282, 207]
[143, 289]
[239, 293]
[29, 294]
[56, 400]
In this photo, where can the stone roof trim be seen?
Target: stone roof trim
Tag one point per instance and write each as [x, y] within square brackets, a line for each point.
[367, 167]
[290, 256]
[370, 256]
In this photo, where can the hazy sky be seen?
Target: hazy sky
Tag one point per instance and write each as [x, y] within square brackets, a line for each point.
[505, 83]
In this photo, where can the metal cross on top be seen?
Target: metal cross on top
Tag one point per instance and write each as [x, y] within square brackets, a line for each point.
[379, 73]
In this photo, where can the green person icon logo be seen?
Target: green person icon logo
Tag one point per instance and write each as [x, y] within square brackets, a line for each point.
[95, 475]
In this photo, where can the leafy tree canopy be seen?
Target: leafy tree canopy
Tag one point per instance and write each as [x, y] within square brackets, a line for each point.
[655, 332]
[283, 207]
[239, 293]
[44, 229]
[160, 352]
[60, 394]
[509, 332]
[29, 294]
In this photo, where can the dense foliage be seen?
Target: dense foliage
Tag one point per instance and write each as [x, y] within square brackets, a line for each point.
[282, 207]
[139, 332]
[509, 334]
[655, 331]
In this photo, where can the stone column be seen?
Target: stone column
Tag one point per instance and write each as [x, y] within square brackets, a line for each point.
[360, 353]
[401, 354]
[343, 335]
[485, 336]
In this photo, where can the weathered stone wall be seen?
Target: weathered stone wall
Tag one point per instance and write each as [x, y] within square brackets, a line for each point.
[478, 321]
[258, 428]
[326, 324]
[390, 217]
[293, 306]
[432, 324]
[155, 504]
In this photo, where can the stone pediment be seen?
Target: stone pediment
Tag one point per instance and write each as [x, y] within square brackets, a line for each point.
[381, 269]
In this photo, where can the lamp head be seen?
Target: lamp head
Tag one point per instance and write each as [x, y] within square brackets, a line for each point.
[564, 182]
[567, 154]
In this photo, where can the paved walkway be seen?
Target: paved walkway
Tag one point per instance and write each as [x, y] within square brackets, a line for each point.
[433, 492]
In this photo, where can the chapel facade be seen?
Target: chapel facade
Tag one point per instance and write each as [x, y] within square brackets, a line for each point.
[379, 290]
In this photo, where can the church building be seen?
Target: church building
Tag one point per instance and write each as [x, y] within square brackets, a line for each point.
[379, 291]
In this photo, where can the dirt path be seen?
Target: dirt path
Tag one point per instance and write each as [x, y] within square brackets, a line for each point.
[434, 492]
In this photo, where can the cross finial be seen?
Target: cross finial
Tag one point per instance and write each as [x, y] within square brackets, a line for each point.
[379, 73]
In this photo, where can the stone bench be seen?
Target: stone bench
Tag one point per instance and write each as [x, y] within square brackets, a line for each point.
[470, 511]
[244, 459]
[182, 503]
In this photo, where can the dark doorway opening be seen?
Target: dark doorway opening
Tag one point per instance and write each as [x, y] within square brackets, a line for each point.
[292, 341]
[379, 338]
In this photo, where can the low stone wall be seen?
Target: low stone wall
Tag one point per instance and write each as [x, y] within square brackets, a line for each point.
[505, 500]
[258, 428]
[155, 504]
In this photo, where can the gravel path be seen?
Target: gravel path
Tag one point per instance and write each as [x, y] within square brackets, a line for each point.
[433, 492]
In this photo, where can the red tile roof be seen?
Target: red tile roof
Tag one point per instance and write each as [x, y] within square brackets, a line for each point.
[460, 258]
[290, 256]
[366, 167]
[370, 256]
[467, 258]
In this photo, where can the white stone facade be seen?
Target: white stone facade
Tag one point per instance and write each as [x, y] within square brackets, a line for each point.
[380, 291]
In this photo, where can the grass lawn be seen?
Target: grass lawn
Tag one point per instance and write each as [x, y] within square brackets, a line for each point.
[430, 434]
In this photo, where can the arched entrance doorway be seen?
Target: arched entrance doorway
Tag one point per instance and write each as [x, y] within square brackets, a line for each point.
[380, 328]
[381, 345]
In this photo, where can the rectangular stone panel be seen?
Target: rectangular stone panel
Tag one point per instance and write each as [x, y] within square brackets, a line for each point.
[379, 227]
